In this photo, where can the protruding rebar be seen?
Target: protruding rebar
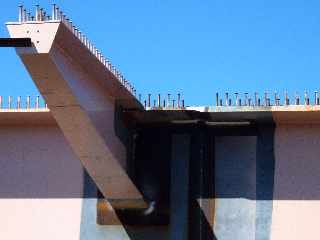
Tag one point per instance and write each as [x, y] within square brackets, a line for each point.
[149, 99]
[79, 36]
[227, 99]
[28, 102]
[316, 98]
[168, 99]
[41, 14]
[217, 99]
[37, 13]
[237, 98]
[256, 97]
[246, 99]
[178, 101]
[266, 99]
[173, 101]
[145, 104]
[86, 42]
[221, 102]
[61, 16]
[306, 98]
[287, 102]
[276, 99]
[54, 12]
[9, 102]
[18, 102]
[164, 103]
[24, 15]
[182, 103]
[20, 13]
[57, 14]
[159, 101]
[37, 102]
[297, 99]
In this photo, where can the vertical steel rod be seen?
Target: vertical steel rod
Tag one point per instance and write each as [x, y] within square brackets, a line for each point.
[159, 101]
[37, 102]
[28, 102]
[9, 102]
[18, 102]
[217, 99]
[149, 99]
[227, 99]
[21, 13]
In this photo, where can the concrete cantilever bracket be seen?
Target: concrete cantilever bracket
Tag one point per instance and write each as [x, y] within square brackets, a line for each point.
[81, 93]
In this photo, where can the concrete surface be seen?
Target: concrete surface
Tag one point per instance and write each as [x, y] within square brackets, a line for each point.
[82, 101]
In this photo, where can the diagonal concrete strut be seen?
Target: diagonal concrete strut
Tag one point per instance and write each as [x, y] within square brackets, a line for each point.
[81, 94]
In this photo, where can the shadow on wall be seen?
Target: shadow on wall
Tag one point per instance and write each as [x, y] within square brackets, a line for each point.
[251, 173]
[245, 166]
[297, 166]
[244, 185]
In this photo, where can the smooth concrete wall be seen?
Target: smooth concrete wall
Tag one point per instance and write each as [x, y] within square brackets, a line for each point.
[296, 198]
[44, 191]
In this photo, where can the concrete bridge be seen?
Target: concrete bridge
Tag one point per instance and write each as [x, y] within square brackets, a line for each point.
[242, 169]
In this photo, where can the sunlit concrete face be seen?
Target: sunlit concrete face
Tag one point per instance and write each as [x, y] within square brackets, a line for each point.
[37, 219]
[44, 191]
[42, 35]
[81, 94]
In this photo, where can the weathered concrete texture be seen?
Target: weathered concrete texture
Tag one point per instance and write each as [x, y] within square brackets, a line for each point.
[296, 205]
[297, 151]
[37, 162]
[235, 187]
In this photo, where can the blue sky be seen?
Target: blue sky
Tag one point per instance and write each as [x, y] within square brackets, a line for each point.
[193, 47]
